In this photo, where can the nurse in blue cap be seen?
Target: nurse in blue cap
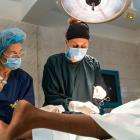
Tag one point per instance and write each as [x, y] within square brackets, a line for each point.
[15, 83]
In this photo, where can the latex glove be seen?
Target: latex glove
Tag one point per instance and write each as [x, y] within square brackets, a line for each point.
[52, 108]
[84, 107]
[99, 93]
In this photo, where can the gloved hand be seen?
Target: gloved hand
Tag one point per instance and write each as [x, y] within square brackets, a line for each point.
[84, 107]
[52, 108]
[99, 93]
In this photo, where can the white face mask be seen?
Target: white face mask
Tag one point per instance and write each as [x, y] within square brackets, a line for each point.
[76, 54]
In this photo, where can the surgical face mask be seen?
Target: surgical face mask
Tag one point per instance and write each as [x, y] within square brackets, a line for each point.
[76, 54]
[13, 63]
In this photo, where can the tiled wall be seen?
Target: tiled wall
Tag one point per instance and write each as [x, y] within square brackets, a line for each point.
[44, 41]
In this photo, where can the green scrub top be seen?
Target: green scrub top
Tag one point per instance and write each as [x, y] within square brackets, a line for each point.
[64, 81]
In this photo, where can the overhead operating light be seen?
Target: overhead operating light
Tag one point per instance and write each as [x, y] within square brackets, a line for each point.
[95, 11]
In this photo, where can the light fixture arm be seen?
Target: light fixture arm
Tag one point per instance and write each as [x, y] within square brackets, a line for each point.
[93, 3]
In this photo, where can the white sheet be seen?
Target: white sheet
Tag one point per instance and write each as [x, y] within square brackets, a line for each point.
[123, 123]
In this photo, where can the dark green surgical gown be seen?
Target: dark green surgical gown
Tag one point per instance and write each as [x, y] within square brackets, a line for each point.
[64, 81]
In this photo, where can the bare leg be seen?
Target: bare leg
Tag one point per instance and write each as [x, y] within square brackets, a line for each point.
[3, 128]
[27, 117]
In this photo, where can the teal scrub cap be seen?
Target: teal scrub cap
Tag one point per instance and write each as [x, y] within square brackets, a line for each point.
[11, 36]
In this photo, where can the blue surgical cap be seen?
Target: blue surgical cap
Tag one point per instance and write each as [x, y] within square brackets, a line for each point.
[11, 36]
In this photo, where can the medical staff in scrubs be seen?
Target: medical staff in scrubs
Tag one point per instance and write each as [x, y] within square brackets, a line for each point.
[15, 83]
[73, 75]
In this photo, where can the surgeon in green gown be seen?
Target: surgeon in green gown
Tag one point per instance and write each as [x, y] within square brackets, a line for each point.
[73, 75]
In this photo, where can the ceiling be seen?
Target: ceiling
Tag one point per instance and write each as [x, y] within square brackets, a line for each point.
[15, 9]
[46, 13]
[50, 13]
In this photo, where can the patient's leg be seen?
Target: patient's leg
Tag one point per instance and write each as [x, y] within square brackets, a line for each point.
[3, 129]
[27, 117]
[26, 136]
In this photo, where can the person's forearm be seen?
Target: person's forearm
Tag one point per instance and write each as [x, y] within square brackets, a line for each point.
[57, 100]
[31, 117]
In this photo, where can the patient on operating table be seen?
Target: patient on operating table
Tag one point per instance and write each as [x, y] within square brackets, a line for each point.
[123, 123]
